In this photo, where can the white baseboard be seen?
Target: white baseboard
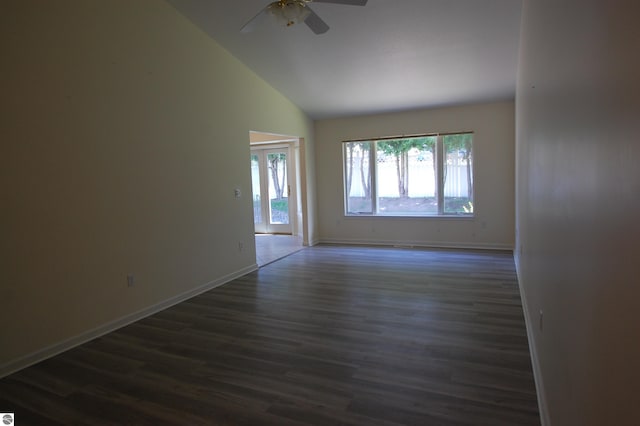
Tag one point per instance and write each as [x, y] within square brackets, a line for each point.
[57, 348]
[418, 244]
[535, 363]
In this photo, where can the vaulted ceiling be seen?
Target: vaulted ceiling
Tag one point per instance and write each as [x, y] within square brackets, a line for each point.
[386, 56]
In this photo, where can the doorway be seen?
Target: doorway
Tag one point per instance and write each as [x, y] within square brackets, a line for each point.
[279, 210]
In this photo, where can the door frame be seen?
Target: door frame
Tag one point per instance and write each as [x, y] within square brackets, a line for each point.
[263, 150]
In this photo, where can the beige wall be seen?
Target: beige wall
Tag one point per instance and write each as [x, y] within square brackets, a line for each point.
[578, 204]
[125, 130]
[494, 146]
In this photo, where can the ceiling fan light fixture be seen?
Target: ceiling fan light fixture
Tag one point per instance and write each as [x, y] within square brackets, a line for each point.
[289, 12]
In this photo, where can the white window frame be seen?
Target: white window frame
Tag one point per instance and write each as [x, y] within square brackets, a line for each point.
[373, 170]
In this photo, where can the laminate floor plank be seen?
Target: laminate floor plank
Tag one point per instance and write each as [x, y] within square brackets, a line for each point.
[330, 335]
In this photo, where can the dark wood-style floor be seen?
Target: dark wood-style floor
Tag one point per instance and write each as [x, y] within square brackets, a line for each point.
[327, 336]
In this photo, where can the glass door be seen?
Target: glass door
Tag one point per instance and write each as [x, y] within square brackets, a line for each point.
[271, 190]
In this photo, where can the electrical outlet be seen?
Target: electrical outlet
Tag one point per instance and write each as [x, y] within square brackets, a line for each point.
[240, 246]
[130, 281]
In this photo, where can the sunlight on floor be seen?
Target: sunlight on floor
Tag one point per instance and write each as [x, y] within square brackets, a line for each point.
[270, 247]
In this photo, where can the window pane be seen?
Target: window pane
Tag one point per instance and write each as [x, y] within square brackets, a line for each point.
[458, 174]
[357, 177]
[278, 188]
[406, 183]
[255, 187]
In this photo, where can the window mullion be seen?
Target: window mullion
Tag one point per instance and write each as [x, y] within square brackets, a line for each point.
[440, 155]
[373, 170]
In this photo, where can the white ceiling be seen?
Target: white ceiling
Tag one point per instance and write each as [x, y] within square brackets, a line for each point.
[389, 55]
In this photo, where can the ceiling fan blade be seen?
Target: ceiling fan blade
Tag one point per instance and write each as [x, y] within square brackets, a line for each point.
[316, 23]
[250, 26]
[349, 2]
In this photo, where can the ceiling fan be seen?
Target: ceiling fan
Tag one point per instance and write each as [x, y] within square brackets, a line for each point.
[290, 12]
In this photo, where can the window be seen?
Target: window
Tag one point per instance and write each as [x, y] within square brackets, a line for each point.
[427, 175]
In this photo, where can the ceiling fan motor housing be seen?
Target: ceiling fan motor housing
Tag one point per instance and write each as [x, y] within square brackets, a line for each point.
[290, 12]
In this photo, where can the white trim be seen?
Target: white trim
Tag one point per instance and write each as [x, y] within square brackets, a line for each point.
[535, 362]
[57, 348]
[418, 244]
